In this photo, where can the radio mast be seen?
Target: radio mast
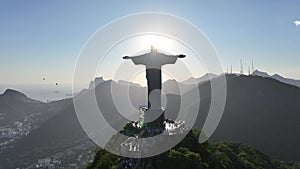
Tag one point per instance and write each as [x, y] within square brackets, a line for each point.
[249, 71]
[252, 66]
[242, 69]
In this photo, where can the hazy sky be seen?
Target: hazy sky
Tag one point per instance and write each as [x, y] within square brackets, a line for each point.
[43, 38]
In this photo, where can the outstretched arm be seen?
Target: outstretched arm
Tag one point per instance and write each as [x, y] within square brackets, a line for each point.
[137, 59]
[170, 59]
[132, 57]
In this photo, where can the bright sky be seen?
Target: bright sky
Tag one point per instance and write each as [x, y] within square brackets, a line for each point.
[43, 38]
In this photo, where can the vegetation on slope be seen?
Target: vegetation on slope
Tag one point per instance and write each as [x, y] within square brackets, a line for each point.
[189, 154]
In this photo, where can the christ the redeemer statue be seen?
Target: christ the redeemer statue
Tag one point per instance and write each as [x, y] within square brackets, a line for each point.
[153, 62]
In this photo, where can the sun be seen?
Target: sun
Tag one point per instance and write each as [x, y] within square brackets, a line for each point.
[159, 42]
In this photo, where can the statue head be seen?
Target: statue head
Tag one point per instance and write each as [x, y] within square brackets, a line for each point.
[153, 50]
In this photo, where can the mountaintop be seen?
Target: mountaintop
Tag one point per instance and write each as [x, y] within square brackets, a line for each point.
[277, 77]
[189, 154]
[14, 94]
[11, 94]
[206, 77]
[260, 73]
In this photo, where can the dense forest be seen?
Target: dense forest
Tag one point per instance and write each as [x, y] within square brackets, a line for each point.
[189, 154]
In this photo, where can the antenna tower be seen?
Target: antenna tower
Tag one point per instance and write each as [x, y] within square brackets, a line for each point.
[242, 69]
[252, 67]
[249, 71]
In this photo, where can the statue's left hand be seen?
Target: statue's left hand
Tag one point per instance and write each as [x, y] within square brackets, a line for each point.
[181, 56]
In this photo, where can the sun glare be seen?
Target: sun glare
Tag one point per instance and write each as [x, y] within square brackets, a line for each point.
[159, 42]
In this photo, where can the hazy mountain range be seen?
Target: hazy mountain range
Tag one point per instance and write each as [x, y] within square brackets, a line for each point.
[277, 77]
[259, 111]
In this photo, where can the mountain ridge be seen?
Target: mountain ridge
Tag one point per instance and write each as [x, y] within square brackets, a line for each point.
[247, 118]
[13, 94]
[277, 77]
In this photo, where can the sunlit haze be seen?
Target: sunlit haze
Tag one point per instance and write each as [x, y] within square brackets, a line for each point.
[45, 42]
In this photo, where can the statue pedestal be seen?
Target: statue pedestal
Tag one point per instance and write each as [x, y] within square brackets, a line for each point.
[154, 117]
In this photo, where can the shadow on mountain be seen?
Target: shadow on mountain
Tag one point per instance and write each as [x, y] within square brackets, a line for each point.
[260, 112]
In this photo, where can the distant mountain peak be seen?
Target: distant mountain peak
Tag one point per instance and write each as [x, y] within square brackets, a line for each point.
[126, 83]
[205, 77]
[260, 73]
[277, 77]
[14, 93]
[96, 82]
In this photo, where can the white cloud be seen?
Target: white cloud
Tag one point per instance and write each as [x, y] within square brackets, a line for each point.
[297, 23]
